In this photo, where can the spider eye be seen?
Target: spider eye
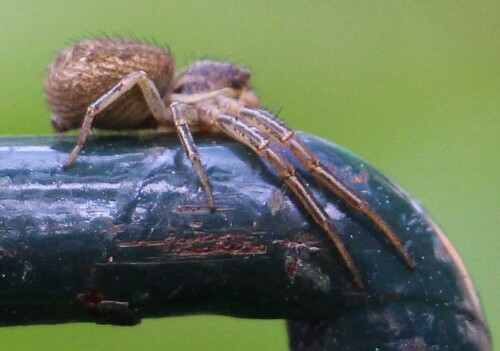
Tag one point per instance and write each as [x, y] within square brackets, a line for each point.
[179, 89]
[237, 83]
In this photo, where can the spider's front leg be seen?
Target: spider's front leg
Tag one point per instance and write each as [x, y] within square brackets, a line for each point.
[277, 130]
[270, 150]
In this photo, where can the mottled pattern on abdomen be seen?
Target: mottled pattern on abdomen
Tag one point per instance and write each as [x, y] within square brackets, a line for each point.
[85, 71]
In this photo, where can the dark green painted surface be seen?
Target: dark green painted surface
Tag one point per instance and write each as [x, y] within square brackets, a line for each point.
[115, 239]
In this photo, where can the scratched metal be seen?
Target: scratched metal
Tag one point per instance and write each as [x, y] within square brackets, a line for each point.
[125, 235]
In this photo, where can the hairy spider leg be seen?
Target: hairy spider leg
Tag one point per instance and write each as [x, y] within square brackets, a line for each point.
[268, 149]
[272, 126]
[151, 96]
[191, 151]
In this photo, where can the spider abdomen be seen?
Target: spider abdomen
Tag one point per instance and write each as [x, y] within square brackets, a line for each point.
[85, 71]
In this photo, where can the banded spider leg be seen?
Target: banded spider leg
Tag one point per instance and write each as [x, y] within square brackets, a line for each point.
[270, 150]
[272, 126]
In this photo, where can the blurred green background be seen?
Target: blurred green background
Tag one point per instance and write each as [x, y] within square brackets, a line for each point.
[413, 87]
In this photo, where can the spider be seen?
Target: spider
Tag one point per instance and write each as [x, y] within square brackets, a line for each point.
[125, 84]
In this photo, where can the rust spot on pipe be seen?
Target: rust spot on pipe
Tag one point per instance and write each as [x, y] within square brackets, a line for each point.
[200, 246]
[228, 244]
[104, 311]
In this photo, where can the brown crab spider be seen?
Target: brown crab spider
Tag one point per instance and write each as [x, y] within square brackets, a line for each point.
[103, 83]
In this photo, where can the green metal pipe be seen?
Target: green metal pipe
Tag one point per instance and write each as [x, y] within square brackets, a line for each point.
[124, 235]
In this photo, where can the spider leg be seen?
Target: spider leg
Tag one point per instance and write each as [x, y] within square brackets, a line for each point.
[278, 131]
[270, 150]
[199, 97]
[187, 141]
[151, 95]
[178, 108]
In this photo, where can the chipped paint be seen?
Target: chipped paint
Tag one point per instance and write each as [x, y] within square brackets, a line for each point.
[276, 201]
[300, 266]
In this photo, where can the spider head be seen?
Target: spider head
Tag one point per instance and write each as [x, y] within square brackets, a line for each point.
[205, 76]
